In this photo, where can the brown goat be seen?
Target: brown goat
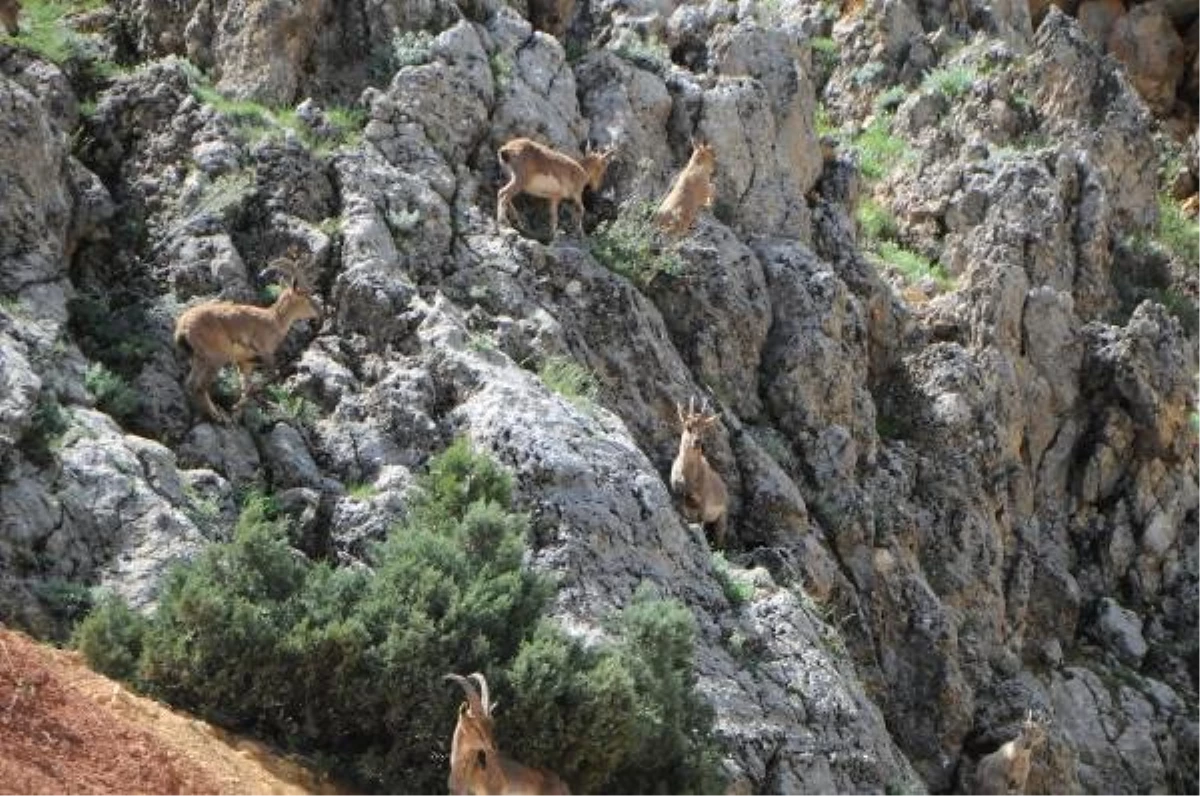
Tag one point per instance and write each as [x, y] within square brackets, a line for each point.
[691, 190]
[1006, 770]
[9, 9]
[476, 766]
[217, 333]
[540, 171]
[693, 479]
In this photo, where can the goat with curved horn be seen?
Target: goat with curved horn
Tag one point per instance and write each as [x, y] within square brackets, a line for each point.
[476, 765]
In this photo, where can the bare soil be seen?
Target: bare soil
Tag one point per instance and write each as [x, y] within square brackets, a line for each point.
[66, 729]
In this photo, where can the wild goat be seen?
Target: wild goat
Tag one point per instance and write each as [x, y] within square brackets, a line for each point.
[692, 189]
[217, 333]
[541, 171]
[1006, 770]
[693, 479]
[476, 766]
[9, 9]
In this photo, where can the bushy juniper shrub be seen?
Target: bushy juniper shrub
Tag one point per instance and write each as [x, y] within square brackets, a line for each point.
[346, 666]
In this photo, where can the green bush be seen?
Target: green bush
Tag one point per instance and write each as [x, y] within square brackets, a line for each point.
[347, 666]
[111, 638]
[113, 394]
[629, 246]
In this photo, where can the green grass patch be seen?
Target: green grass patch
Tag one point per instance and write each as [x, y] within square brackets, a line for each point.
[876, 222]
[913, 266]
[629, 245]
[346, 666]
[1177, 233]
[363, 491]
[45, 30]
[258, 122]
[569, 379]
[879, 152]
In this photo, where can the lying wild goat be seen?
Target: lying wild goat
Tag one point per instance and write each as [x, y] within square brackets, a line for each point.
[540, 171]
[219, 332]
[692, 189]
[476, 766]
[1007, 769]
[693, 479]
[9, 9]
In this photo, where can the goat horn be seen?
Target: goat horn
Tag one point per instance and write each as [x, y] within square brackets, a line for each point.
[679, 411]
[483, 690]
[472, 697]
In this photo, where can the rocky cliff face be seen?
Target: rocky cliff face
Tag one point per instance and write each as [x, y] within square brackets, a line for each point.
[956, 499]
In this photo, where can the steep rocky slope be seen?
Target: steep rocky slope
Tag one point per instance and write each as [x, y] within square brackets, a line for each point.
[959, 496]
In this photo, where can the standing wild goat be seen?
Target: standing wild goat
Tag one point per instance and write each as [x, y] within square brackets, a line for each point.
[540, 171]
[217, 333]
[692, 189]
[1006, 770]
[9, 9]
[476, 766]
[693, 479]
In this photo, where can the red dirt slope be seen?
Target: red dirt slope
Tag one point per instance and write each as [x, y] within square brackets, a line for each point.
[67, 729]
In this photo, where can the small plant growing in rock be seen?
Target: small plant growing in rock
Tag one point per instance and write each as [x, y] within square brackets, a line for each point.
[876, 222]
[113, 394]
[412, 48]
[45, 433]
[629, 245]
[951, 81]
[569, 379]
[888, 101]
[736, 591]
[289, 407]
[650, 53]
[362, 491]
[501, 64]
[878, 150]
[913, 266]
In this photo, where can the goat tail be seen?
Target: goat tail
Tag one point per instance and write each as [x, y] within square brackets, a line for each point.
[182, 342]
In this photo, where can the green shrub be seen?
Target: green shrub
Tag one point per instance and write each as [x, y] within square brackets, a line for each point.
[621, 717]
[347, 666]
[629, 246]
[114, 329]
[111, 638]
[113, 394]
